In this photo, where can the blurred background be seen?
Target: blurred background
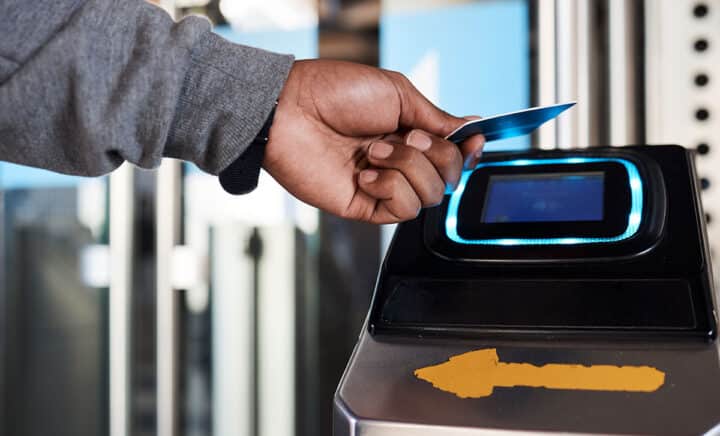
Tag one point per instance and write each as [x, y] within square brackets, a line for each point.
[151, 302]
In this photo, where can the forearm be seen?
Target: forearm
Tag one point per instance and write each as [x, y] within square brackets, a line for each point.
[119, 80]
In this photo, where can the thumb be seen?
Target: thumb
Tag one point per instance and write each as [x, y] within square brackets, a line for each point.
[472, 147]
[417, 112]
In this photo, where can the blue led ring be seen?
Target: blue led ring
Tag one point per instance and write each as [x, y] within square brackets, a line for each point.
[634, 218]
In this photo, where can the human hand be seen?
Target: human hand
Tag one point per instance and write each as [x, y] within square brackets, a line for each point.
[363, 143]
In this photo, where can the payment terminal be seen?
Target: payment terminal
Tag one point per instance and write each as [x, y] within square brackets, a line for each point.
[565, 291]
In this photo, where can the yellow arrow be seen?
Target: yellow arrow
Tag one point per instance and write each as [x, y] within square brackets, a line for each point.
[475, 374]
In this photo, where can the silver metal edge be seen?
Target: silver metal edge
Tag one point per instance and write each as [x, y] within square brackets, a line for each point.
[167, 236]
[121, 247]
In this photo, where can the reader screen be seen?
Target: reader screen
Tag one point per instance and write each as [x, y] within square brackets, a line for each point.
[544, 197]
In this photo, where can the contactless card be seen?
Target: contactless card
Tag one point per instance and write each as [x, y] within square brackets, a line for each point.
[508, 125]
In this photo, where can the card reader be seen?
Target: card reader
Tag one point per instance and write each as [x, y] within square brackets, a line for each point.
[604, 241]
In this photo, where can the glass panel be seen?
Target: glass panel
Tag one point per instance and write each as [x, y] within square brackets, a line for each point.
[471, 58]
[243, 269]
[54, 274]
[261, 281]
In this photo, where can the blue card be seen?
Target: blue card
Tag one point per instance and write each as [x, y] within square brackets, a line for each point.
[508, 125]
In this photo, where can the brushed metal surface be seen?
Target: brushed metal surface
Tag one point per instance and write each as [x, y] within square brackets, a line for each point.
[380, 395]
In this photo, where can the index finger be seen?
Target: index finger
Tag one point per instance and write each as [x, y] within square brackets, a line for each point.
[443, 154]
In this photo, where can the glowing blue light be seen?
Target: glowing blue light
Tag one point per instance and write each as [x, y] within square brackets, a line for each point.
[569, 241]
[634, 219]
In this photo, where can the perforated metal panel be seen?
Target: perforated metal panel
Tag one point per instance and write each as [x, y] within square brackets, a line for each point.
[683, 89]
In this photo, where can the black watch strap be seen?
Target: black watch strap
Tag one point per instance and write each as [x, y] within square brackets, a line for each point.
[241, 176]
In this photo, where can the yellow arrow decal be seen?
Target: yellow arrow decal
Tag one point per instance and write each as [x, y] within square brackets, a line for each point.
[475, 374]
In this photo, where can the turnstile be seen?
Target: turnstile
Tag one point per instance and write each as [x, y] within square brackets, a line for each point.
[565, 291]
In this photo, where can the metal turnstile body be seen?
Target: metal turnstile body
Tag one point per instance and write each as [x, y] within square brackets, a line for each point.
[643, 299]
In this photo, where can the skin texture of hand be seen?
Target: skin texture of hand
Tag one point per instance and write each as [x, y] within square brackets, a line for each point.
[363, 143]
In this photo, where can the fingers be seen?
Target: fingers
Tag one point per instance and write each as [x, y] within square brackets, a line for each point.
[396, 199]
[415, 167]
[405, 176]
[431, 165]
[443, 154]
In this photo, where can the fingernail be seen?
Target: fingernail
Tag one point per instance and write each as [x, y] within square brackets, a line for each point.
[419, 140]
[380, 150]
[368, 176]
[478, 154]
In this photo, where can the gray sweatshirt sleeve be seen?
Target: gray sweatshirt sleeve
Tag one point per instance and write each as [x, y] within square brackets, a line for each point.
[88, 84]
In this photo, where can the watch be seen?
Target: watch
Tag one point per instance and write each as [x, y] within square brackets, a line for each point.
[241, 176]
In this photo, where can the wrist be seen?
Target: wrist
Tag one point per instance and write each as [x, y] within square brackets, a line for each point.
[283, 117]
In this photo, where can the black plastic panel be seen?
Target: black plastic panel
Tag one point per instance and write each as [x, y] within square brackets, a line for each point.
[649, 234]
[657, 285]
[585, 304]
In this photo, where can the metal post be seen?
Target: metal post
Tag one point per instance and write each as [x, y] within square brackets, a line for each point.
[167, 236]
[233, 331]
[254, 251]
[624, 60]
[586, 78]
[121, 231]
[589, 51]
[167, 233]
[567, 69]
[546, 71]
[275, 329]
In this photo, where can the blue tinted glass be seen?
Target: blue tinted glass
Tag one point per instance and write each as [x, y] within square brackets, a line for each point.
[471, 58]
[13, 176]
[544, 198]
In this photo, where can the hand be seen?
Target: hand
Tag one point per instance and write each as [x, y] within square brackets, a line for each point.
[363, 143]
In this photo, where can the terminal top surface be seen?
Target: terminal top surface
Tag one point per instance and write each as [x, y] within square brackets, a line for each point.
[379, 385]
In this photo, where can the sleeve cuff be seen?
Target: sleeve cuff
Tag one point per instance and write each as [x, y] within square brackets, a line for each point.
[228, 93]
